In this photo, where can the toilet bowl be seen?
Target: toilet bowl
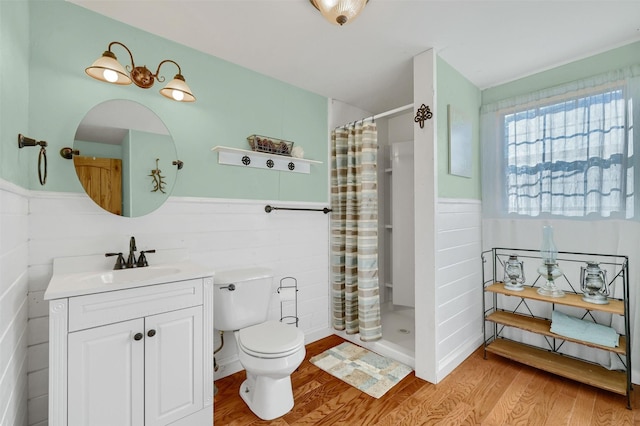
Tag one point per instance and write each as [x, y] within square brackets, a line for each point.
[269, 351]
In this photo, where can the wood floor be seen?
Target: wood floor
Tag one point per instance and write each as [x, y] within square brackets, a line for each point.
[494, 391]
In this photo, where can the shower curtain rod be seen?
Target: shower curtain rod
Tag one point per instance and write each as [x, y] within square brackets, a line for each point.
[391, 112]
[381, 115]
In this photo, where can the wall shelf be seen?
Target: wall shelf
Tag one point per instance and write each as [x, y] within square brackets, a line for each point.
[262, 160]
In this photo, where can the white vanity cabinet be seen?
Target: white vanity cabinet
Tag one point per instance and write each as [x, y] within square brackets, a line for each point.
[139, 356]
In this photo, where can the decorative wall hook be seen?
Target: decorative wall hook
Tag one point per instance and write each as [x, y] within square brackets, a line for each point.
[178, 163]
[68, 153]
[424, 113]
[158, 182]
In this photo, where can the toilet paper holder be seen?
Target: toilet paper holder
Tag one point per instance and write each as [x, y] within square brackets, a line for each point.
[288, 293]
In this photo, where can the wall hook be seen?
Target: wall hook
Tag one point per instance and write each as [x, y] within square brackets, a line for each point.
[68, 153]
[424, 113]
[178, 163]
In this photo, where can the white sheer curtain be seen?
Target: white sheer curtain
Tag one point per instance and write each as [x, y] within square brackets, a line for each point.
[564, 151]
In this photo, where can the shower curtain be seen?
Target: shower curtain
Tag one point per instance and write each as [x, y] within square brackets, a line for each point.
[354, 231]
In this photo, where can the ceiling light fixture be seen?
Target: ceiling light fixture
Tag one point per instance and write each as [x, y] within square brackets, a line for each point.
[108, 69]
[339, 11]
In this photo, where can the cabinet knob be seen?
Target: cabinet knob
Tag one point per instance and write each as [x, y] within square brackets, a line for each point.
[151, 333]
[138, 336]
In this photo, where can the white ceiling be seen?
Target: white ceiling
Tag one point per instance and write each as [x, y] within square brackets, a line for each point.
[368, 63]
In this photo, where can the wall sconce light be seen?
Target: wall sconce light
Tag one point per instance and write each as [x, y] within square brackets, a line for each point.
[108, 69]
[339, 11]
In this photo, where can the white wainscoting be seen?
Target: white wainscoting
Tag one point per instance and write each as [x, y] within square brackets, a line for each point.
[14, 208]
[459, 282]
[220, 234]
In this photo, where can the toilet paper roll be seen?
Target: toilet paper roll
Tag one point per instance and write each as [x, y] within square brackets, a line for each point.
[287, 293]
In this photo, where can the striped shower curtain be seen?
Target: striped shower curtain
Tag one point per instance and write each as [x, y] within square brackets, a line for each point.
[354, 231]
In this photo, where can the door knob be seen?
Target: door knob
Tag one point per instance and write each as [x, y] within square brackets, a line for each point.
[138, 336]
[151, 333]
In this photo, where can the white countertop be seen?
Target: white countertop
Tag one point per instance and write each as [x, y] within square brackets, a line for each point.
[81, 275]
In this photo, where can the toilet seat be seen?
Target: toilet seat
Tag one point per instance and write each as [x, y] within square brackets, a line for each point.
[271, 339]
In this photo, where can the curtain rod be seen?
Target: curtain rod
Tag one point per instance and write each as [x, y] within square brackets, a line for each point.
[269, 209]
[381, 115]
[391, 112]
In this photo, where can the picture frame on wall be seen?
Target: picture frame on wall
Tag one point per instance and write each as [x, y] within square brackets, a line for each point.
[459, 128]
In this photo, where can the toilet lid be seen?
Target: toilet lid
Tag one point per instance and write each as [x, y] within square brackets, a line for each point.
[271, 338]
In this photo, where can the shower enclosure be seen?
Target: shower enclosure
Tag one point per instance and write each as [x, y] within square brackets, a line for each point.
[395, 237]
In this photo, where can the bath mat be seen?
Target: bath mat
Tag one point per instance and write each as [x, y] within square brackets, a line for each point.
[369, 372]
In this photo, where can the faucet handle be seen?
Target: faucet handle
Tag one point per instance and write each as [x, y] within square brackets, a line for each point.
[119, 262]
[142, 259]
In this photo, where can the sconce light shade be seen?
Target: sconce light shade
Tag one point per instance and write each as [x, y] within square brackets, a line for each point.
[107, 68]
[339, 12]
[178, 90]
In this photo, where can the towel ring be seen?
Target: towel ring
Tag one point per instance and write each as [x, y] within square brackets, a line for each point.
[43, 154]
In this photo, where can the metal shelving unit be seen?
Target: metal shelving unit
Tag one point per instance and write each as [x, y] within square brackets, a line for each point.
[517, 323]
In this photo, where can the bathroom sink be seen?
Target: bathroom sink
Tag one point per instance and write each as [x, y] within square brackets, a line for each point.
[122, 276]
[74, 276]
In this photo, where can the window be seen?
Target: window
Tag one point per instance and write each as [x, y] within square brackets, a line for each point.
[569, 157]
[566, 151]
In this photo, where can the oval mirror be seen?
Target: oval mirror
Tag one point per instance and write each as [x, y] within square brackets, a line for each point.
[124, 158]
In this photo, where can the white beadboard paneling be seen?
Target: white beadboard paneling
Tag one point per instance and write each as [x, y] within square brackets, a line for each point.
[458, 282]
[38, 330]
[38, 307]
[13, 267]
[13, 368]
[38, 409]
[13, 304]
[38, 383]
[38, 356]
[219, 234]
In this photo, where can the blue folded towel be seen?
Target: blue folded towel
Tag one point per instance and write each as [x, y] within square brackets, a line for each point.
[588, 331]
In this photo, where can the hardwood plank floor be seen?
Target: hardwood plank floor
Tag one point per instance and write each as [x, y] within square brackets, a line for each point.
[489, 392]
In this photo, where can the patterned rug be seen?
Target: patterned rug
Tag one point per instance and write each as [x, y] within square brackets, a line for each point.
[369, 372]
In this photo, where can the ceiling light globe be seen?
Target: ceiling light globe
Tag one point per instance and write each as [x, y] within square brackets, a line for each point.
[339, 12]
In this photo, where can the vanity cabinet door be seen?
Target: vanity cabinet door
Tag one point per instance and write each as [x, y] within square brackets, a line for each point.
[173, 365]
[106, 375]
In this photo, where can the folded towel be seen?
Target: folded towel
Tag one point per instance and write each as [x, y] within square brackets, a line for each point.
[588, 331]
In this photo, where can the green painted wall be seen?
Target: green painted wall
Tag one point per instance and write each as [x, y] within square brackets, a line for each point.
[598, 64]
[232, 103]
[455, 90]
[15, 164]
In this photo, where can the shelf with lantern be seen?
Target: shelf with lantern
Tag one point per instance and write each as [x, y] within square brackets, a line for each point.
[521, 319]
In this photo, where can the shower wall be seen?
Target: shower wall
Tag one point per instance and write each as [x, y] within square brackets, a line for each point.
[392, 130]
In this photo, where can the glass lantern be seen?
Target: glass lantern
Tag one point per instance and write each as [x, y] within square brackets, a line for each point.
[549, 269]
[593, 282]
[514, 274]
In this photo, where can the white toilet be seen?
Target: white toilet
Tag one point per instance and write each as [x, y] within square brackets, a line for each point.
[268, 350]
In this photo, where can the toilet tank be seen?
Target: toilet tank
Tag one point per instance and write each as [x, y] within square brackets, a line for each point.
[241, 297]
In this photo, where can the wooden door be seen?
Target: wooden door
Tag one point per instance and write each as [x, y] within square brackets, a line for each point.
[106, 375]
[102, 180]
[174, 368]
